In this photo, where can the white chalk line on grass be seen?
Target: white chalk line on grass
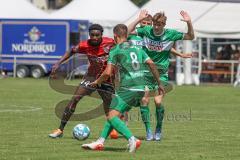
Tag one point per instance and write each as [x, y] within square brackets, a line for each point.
[19, 109]
[216, 120]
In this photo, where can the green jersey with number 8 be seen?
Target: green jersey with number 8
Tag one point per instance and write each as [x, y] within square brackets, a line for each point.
[131, 64]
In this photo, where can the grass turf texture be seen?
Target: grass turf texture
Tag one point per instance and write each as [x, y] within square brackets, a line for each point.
[200, 123]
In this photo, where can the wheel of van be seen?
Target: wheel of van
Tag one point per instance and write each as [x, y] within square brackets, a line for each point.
[22, 71]
[37, 72]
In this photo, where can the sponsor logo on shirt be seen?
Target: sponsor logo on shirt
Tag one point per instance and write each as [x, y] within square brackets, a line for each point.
[157, 46]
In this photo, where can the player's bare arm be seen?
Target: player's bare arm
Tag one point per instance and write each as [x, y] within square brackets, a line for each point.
[156, 75]
[65, 57]
[186, 18]
[104, 76]
[131, 28]
[182, 55]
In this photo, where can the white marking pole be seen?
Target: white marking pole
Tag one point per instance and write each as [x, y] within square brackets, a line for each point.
[187, 48]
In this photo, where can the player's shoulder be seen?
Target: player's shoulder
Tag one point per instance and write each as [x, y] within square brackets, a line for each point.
[107, 44]
[140, 50]
[107, 40]
[170, 30]
[83, 43]
[114, 48]
[147, 28]
[134, 37]
[144, 29]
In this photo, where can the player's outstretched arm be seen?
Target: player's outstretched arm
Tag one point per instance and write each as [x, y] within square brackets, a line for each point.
[65, 57]
[186, 18]
[131, 28]
[156, 75]
[182, 55]
[104, 76]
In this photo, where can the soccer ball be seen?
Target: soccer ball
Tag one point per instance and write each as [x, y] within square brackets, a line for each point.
[81, 132]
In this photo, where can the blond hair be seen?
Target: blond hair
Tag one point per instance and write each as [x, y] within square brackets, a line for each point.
[159, 17]
[148, 18]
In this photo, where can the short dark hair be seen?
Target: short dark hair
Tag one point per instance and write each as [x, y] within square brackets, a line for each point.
[95, 27]
[121, 30]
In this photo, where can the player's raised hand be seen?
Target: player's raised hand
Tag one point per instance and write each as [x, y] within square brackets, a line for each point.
[188, 55]
[185, 16]
[143, 14]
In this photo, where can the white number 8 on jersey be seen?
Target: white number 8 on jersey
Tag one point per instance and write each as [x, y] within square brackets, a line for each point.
[135, 63]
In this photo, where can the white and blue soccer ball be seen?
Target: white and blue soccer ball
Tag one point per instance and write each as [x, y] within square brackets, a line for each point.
[81, 132]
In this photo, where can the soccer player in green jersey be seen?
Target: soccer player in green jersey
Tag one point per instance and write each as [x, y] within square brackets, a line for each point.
[130, 61]
[158, 42]
[144, 109]
[138, 41]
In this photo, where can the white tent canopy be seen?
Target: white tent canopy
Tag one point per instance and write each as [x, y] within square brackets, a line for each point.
[20, 9]
[172, 10]
[221, 22]
[105, 12]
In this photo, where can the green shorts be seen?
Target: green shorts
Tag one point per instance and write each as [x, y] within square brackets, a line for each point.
[123, 100]
[152, 83]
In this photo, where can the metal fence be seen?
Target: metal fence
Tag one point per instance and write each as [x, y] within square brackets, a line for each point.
[71, 64]
[211, 68]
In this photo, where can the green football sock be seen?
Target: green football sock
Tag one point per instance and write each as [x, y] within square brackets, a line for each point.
[120, 126]
[106, 130]
[145, 114]
[159, 115]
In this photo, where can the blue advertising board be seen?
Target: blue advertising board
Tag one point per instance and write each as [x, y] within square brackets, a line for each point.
[36, 38]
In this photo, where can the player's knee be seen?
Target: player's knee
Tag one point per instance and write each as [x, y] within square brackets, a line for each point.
[112, 114]
[76, 99]
[69, 110]
[145, 101]
[157, 101]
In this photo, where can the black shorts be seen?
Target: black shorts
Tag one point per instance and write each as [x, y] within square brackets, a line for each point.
[106, 90]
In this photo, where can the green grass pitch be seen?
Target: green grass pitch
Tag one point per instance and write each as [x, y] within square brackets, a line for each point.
[201, 123]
